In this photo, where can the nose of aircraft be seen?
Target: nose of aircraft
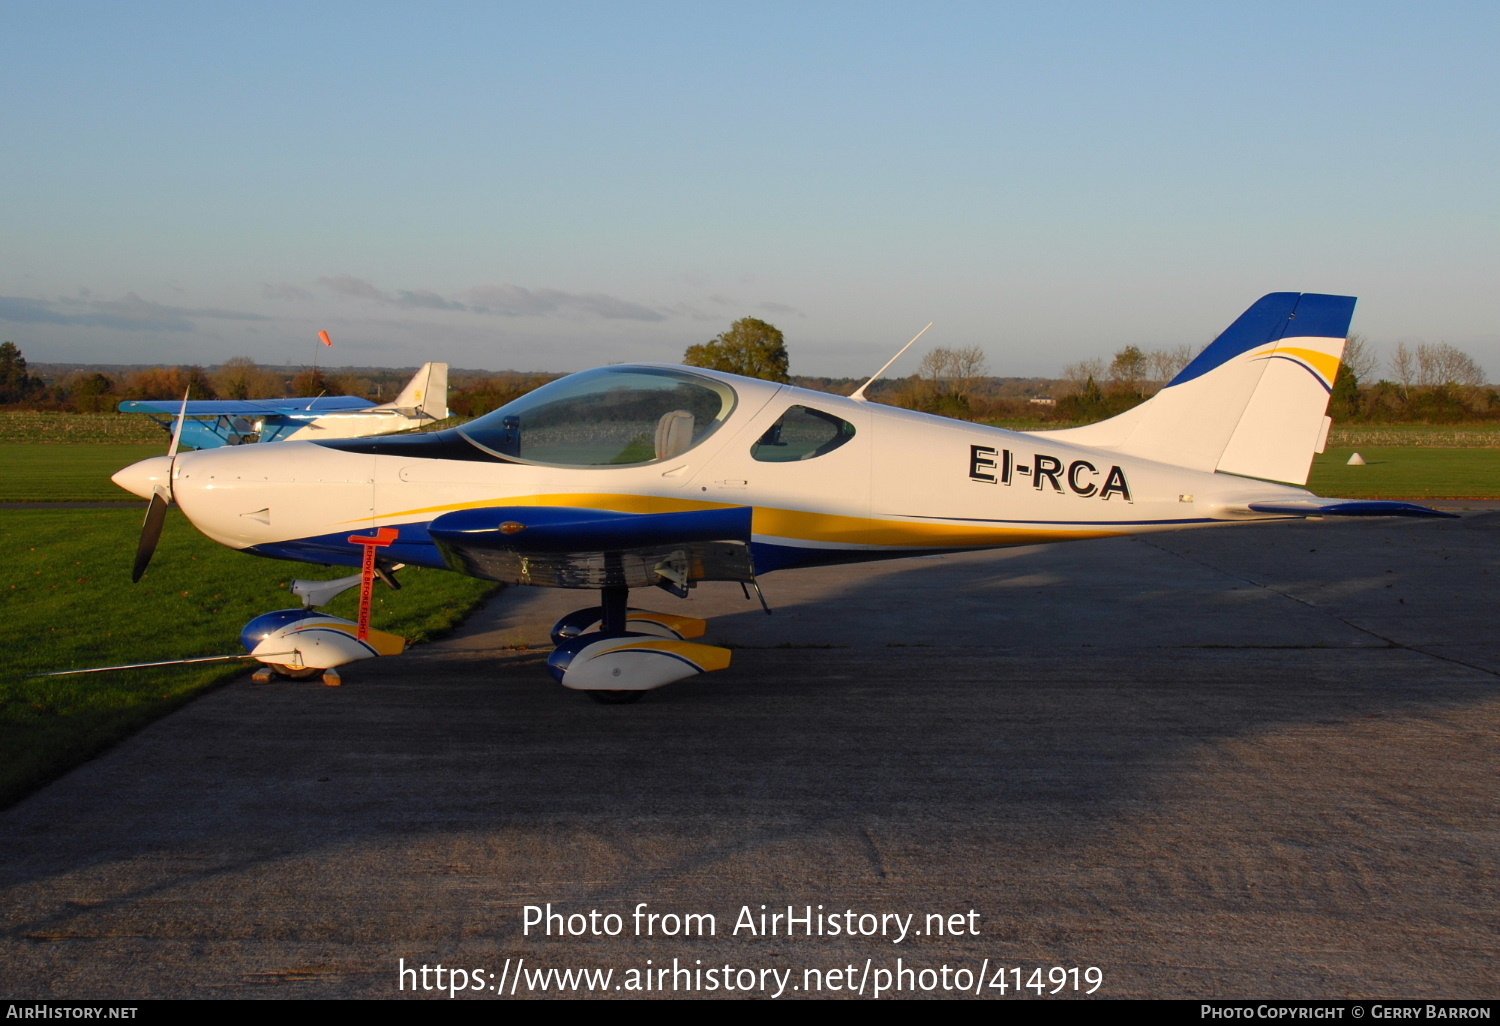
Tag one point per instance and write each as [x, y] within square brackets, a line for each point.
[143, 478]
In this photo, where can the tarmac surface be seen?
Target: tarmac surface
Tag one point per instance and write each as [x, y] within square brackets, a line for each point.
[1254, 762]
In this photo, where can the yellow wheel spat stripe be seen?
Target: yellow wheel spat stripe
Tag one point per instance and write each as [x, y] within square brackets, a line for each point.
[380, 641]
[706, 657]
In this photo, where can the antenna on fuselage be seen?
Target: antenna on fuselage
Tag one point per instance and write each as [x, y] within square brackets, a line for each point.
[859, 393]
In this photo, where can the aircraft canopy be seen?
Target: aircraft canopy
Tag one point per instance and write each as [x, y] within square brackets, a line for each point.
[613, 416]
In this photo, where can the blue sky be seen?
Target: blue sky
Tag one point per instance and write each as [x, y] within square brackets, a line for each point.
[557, 186]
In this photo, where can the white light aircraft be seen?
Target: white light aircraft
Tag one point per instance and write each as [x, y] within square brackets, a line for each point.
[210, 423]
[647, 476]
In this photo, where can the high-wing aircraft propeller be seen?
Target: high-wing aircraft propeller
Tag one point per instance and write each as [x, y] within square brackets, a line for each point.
[651, 476]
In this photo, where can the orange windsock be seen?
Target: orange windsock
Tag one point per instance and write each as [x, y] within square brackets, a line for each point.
[324, 336]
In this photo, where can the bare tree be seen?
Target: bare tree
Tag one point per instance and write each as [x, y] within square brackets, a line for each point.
[955, 371]
[1439, 365]
[1078, 375]
[1359, 357]
[1404, 367]
[1162, 365]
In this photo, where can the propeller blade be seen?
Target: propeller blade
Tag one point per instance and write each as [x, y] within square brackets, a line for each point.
[177, 428]
[156, 516]
[161, 498]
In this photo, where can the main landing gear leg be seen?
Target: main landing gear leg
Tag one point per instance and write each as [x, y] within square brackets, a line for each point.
[614, 603]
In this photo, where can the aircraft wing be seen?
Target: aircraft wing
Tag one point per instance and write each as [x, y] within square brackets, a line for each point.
[250, 407]
[566, 547]
[1317, 507]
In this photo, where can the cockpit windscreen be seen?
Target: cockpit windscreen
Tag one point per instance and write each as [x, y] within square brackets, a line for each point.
[613, 416]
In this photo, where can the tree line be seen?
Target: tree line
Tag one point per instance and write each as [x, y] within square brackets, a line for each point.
[86, 391]
[92, 391]
[1426, 382]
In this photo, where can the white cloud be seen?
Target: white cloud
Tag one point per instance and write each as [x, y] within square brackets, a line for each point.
[515, 301]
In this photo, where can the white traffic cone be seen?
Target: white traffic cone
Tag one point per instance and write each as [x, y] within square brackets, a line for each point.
[1356, 460]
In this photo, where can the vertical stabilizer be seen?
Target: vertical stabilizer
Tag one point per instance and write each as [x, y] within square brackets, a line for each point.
[426, 393]
[1253, 403]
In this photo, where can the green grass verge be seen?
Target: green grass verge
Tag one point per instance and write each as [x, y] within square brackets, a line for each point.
[66, 602]
[88, 428]
[1408, 473]
[1432, 436]
[35, 472]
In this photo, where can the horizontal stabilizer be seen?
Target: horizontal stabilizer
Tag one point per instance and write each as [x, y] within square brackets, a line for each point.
[1347, 508]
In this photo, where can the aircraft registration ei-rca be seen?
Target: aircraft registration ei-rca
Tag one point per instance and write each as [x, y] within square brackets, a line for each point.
[650, 476]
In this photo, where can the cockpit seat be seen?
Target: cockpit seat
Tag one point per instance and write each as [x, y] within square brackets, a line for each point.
[674, 434]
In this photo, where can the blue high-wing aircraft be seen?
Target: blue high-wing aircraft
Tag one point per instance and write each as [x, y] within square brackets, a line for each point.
[210, 423]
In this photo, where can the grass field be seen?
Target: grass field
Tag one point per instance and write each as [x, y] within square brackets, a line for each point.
[1408, 473]
[87, 428]
[66, 602]
[34, 472]
[1428, 436]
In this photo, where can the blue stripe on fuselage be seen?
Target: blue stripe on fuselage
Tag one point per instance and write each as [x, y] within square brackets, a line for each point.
[416, 547]
[412, 545]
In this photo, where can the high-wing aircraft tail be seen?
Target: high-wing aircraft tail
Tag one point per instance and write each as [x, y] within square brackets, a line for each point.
[426, 394]
[1253, 403]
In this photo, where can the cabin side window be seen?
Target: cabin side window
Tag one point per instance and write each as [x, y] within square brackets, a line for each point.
[801, 433]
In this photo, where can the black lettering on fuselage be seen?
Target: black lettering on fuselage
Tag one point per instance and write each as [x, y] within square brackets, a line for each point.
[986, 460]
[1073, 470]
[1047, 469]
[1115, 484]
[980, 461]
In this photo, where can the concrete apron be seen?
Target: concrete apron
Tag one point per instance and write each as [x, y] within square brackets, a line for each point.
[1254, 762]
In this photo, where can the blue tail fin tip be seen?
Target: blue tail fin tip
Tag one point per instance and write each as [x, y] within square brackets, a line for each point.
[1271, 318]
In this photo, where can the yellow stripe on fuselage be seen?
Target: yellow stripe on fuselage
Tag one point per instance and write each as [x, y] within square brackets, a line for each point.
[791, 524]
[830, 527]
[618, 503]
